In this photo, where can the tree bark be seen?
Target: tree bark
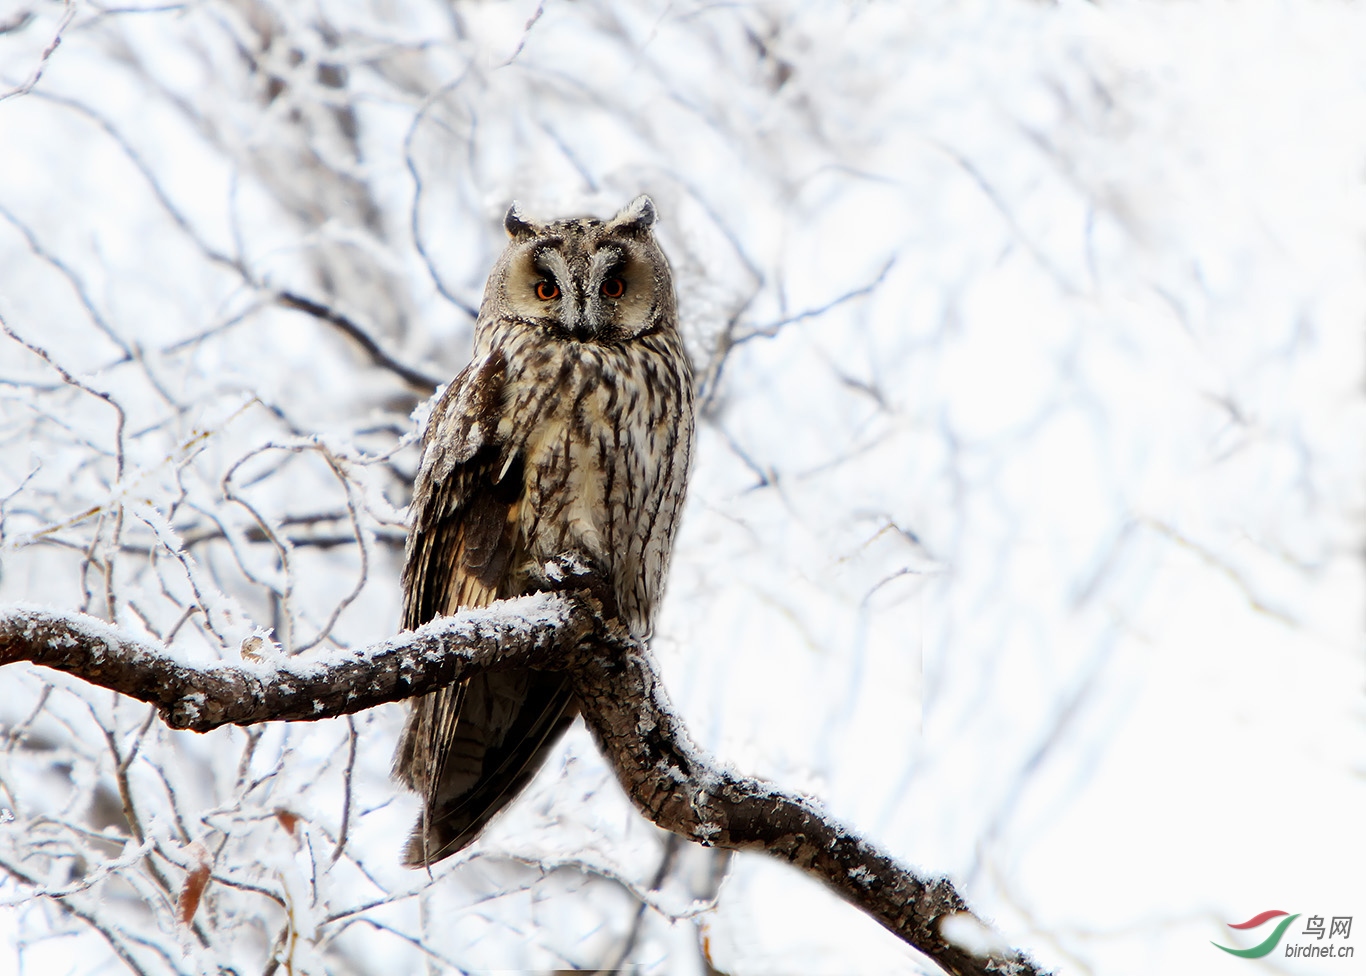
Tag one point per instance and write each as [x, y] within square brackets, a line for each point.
[671, 781]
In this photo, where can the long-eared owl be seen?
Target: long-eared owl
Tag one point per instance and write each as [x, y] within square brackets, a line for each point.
[570, 431]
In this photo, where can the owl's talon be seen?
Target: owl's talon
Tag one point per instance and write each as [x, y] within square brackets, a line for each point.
[576, 572]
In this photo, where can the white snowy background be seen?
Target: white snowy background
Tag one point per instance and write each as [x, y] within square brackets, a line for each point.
[1025, 528]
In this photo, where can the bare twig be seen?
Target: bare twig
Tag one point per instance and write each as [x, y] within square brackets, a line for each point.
[423, 383]
[773, 328]
[120, 418]
[415, 210]
[347, 790]
[628, 945]
[84, 912]
[68, 12]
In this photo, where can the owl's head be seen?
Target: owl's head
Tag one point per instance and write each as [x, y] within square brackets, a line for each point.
[584, 279]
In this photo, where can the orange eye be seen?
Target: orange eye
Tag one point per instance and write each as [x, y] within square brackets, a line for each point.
[547, 290]
[613, 287]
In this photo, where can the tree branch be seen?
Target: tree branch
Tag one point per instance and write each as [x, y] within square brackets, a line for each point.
[421, 382]
[530, 631]
[671, 781]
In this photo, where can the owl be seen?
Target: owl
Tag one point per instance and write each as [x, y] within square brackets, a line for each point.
[570, 431]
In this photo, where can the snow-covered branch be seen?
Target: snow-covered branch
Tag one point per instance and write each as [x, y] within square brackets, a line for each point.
[676, 785]
[685, 791]
[535, 631]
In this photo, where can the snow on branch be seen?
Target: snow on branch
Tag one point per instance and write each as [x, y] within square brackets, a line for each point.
[530, 631]
[671, 781]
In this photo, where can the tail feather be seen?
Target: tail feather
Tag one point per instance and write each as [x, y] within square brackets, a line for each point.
[469, 749]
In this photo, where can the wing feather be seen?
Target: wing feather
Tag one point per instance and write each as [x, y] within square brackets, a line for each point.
[470, 747]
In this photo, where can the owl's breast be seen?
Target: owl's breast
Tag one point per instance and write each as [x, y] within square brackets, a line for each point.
[603, 464]
[566, 505]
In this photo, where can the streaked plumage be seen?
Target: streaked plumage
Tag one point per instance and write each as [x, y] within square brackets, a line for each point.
[569, 431]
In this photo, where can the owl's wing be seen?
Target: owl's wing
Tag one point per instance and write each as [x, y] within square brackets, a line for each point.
[470, 747]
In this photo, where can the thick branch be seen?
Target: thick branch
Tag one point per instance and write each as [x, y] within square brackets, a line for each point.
[683, 790]
[533, 631]
[677, 786]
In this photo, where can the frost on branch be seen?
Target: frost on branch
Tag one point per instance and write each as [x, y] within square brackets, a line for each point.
[204, 696]
[670, 780]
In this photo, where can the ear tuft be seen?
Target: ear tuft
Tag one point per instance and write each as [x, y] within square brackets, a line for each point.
[515, 224]
[638, 215]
